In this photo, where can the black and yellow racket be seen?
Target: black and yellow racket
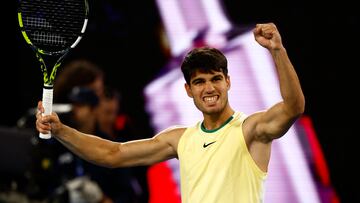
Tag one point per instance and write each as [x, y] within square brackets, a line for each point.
[52, 28]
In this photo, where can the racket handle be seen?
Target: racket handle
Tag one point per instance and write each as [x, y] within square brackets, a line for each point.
[47, 101]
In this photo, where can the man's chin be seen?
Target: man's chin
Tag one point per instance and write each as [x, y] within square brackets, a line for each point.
[210, 110]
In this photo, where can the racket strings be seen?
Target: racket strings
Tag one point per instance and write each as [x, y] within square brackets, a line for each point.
[53, 24]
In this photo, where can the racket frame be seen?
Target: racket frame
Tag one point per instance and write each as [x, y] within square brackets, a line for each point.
[41, 55]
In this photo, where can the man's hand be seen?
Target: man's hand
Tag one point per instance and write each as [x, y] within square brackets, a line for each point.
[49, 123]
[268, 36]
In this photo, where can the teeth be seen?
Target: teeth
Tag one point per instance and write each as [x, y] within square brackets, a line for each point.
[210, 99]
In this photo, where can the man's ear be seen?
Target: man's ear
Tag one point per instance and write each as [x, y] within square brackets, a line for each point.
[228, 82]
[188, 90]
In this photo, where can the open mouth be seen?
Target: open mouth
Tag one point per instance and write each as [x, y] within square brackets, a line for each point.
[210, 100]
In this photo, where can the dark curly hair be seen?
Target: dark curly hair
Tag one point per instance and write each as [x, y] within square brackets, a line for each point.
[206, 60]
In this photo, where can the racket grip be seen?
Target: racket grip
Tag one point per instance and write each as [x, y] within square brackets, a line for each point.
[47, 101]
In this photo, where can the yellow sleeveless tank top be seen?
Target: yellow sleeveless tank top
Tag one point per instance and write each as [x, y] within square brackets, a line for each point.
[216, 166]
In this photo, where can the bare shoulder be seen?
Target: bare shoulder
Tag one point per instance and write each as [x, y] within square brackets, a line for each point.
[173, 132]
[172, 135]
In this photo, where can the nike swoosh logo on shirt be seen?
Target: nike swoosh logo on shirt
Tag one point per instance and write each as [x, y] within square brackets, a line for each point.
[206, 145]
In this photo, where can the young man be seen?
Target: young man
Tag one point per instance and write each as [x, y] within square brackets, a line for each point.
[223, 158]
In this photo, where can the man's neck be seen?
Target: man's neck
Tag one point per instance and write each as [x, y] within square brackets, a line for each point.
[214, 121]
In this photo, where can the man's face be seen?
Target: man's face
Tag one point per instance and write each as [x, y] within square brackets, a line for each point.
[84, 114]
[209, 91]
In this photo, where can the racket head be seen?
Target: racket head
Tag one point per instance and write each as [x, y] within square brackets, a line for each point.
[52, 27]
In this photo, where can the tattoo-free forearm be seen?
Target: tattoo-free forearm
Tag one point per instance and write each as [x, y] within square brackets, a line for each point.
[89, 147]
[290, 88]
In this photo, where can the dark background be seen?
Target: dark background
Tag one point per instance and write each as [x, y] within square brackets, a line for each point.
[123, 38]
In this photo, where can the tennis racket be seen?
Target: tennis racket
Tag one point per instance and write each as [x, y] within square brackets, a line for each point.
[52, 28]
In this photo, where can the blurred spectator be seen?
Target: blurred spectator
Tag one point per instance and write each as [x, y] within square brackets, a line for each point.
[112, 122]
[75, 81]
[81, 73]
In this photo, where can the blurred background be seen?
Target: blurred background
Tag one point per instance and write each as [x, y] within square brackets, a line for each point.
[128, 40]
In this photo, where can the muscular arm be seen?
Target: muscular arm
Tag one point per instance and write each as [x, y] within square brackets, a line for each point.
[274, 122]
[112, 154]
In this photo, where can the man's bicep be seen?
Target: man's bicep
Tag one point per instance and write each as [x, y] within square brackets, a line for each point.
[274, 122]
[143, 152]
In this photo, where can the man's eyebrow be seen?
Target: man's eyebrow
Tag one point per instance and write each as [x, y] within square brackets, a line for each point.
[197, 80]
[218, 76]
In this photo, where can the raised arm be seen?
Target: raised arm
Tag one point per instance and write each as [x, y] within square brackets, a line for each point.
[274, 122]
[107, 153]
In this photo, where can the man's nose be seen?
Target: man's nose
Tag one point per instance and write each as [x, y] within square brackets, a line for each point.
[209, 87]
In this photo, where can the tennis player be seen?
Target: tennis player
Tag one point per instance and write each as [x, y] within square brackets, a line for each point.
[225, 156]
